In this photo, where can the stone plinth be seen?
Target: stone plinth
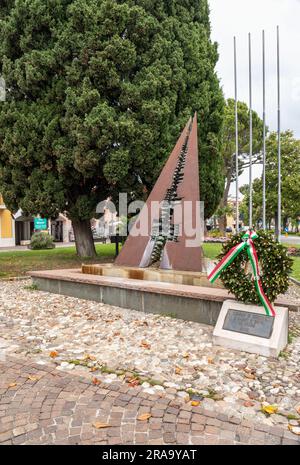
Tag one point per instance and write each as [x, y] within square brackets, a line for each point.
[252, 332]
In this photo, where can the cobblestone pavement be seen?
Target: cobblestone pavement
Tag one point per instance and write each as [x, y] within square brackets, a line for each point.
[41, 405]
[174, 356]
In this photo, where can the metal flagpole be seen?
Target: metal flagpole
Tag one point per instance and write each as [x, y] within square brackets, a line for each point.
[251, 135]
[264, 130]
[279, 139]
[236, 144]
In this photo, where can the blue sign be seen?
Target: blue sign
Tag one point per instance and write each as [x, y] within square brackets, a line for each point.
[40, 223]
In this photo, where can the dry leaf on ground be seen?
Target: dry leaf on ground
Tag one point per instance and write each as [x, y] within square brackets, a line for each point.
[248, 403]
[146, 345]
[53, 354]
[270, 409]
[99, 425]
[33, 378]
[178, 370]
[96, 381]
[144, 416]
[294, 429]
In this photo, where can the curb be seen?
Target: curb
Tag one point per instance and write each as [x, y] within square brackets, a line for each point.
[295, 281]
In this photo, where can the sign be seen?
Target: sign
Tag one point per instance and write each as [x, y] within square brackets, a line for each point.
[40, 223]
[254, 324]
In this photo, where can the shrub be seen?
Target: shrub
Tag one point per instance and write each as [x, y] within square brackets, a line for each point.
[41, 240]
[216, 233]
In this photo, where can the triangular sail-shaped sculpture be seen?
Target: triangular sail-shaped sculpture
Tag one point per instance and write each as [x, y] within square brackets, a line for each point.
[171, 236]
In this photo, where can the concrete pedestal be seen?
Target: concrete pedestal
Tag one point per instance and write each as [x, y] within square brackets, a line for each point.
[268, 345]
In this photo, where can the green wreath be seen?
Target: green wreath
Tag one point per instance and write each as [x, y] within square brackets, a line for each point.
[274, 264]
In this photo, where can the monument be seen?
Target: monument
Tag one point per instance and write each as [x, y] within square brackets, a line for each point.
[161, 267]
[164, 243]
[177, 185]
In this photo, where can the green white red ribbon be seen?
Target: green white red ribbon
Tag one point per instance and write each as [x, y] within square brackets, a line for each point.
[247, 244]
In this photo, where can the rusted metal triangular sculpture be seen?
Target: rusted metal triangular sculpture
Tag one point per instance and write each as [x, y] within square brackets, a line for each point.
[166, 233]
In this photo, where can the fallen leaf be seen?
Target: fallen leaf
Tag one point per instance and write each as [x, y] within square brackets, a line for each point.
[53, 354]
[195, 403]
[248, 403]
[178, 370]
[94, 369]
[294, 429]
[96, 381]
[11, 385]
[270, 409]
[146, 345]
[99, 425]
[33, 378]
[144, 416]
[133, 382]
[210, 360]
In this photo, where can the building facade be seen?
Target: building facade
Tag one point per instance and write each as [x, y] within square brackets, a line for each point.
[7, 226]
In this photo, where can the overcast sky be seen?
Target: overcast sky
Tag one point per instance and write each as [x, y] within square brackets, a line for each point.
[239, 17]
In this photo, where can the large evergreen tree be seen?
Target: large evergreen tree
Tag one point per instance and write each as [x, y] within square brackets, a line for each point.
[97, 92]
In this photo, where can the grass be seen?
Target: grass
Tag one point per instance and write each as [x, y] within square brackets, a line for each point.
[296, 268]
[17, 263]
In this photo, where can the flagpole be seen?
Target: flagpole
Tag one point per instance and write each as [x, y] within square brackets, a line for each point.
[278, 136]
[236, 143]
[251, 134]
[264, 129]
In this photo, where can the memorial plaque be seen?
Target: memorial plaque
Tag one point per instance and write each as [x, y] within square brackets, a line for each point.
[254, 324]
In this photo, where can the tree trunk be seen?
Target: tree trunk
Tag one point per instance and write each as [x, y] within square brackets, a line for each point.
[223, 204]
[85, 246]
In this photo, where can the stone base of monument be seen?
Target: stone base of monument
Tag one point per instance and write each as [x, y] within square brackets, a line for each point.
[247, 328]
[190, 278]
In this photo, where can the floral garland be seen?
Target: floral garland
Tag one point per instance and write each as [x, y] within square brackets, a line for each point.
[271, 277]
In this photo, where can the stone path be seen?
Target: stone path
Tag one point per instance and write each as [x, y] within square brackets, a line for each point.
[42, 405]
[170, 362]
[176, 356]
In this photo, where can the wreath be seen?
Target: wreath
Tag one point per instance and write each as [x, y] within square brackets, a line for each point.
[274, 268]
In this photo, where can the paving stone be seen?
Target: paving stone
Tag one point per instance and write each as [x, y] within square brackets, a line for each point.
[62, 395]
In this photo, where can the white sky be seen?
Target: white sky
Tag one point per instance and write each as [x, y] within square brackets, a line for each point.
[239, 17]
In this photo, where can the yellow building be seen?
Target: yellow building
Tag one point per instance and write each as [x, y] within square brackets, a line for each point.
[7, 227]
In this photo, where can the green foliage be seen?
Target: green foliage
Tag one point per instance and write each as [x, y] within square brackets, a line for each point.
[228, 137]
[215, 233]
[290, 169]
[275, 268]
[98, 91]
[228, 148]
[41, 241]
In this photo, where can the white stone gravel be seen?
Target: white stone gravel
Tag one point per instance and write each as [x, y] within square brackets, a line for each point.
[178, 355]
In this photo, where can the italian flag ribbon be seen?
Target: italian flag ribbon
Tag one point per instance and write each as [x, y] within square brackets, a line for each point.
[247, 244]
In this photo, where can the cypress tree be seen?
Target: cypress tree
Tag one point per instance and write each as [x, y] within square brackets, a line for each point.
[97, 92]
